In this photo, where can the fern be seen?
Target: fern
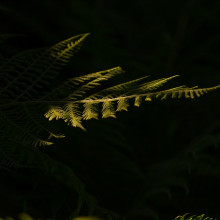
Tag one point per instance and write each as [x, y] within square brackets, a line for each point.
[27, 98]
[23, 99]
[22, 76]
[25, 216]
[119, 95]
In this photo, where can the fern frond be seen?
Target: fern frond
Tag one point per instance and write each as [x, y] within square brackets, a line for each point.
[21, 78]
[117, 90]
[108, 109]
[122, 93]
[153, 85]
[77, 99]
[55, 112]
[122, 105]
[183, 91]
[82, 79]
[25, 73]
[65, 49]
[72, 115]
[80, 84]
[103, 76]
[89, 111]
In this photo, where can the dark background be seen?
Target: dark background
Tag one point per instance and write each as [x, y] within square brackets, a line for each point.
[157, 161]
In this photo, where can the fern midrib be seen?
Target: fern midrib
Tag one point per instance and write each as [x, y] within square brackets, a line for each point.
[106, 99]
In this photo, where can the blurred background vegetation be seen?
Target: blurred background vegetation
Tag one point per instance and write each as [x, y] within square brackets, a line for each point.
[156, 161]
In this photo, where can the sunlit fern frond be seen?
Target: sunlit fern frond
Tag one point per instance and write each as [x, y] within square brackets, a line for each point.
[23, 78]
[103, 76]
[25, 99]
[119, 97]
[119, 89]
[80, 85]
[151, 86]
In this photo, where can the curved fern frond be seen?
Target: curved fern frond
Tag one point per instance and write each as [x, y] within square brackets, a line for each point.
[123, 94]
[151, 86]
[74, 83]
[21, 78]
[24, 101]
[26, 72]
[103, 76]
[119, 89]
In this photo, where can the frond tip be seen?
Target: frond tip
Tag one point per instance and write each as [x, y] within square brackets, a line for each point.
[25, 78]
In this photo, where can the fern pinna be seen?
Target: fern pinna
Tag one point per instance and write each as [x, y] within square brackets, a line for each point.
[23, 100]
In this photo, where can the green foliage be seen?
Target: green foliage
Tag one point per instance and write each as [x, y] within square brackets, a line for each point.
[27, 94]
[25, 76]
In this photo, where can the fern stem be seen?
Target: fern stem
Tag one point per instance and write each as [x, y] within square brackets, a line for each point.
[181, 88]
